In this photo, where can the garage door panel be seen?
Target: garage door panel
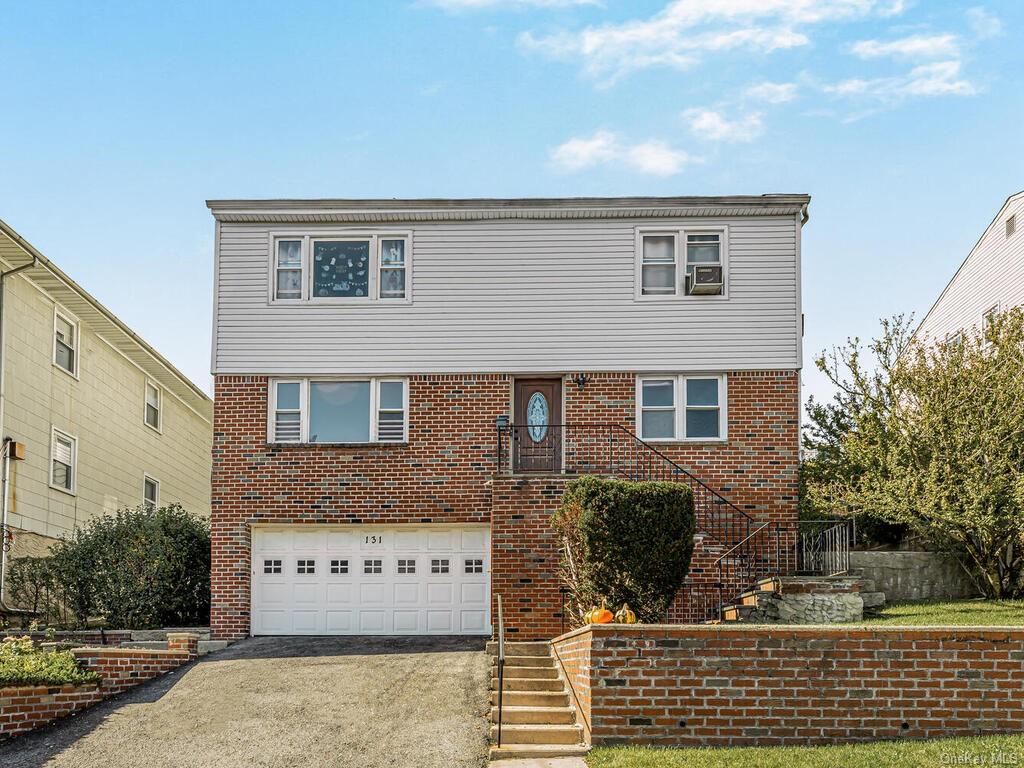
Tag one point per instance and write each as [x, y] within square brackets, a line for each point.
[370, 580]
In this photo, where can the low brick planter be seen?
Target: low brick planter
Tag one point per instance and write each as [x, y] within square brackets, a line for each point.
[760, 685]
[23, 708]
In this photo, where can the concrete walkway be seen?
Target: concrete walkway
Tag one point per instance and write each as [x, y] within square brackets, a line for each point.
[287, 703]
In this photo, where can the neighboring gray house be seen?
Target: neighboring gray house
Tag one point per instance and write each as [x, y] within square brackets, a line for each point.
[991, 278]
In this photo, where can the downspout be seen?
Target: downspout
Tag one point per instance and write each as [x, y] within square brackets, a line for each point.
[5, 477]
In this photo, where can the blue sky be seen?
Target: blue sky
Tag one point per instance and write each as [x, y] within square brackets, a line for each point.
[902, 118]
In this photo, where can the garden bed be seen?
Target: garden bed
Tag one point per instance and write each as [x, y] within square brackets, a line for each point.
[22, 663]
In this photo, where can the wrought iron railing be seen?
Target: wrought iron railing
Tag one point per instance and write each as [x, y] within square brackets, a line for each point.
[501, 666]
[823, 546]
[611, 449]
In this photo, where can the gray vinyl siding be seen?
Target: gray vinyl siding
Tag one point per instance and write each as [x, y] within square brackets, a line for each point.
[517, 296]
[993, 272]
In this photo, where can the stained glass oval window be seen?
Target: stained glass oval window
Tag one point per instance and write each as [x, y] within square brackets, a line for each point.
[537, 416]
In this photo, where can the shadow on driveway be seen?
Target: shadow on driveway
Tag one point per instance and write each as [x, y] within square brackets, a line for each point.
[306, 702]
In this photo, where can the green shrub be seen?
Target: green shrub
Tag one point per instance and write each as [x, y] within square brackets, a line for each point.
[21, 663]
[34, 586]
[625, 542]
[138, 569]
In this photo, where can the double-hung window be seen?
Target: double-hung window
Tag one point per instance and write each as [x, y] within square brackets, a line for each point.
[65, 343]
[681, 407]
[683, 262]
[152, 408]
[344, 267]
[338, 411]
[63, 460]
[150, 492]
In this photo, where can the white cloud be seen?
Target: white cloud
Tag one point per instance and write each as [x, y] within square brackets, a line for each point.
[714, 126]
[479, 5]
[683, 30]
[942, 46]
[984, 24]
[772, 93]
[941, 78]
[607, 148]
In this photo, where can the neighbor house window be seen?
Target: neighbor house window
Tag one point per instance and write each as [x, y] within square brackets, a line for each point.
[348, 268]
[65, 343]
[152, 413]
[681, 407]
[338, 411]
[63, 457]
[150, 492]
[680, 263]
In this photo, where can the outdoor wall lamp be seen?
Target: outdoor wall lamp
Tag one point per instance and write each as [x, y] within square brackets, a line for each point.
[581, 379]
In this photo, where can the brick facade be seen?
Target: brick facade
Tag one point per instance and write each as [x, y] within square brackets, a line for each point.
[445, 473]
[26, 707]
[731, 686]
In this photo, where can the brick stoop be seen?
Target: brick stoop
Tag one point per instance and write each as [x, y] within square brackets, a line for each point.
[538, 720]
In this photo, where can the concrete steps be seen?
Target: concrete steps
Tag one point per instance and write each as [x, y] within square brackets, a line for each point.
[538, 721]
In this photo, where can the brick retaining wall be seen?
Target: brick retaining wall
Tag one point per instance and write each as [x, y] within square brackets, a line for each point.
[24, 708]
[754, 685]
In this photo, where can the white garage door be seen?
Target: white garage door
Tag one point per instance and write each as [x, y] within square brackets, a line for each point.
[369, 580]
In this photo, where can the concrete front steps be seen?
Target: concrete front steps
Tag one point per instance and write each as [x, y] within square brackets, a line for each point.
[537, 719]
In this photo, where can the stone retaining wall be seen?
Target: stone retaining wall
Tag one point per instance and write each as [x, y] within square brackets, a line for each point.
[726, 686]
[24, 708]
[915, 575]
[809, 600]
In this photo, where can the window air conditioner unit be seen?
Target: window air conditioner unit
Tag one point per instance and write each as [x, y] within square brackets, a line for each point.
[706, 281]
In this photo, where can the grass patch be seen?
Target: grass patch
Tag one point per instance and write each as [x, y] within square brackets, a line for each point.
[21, 663]
[983, 613]
[982, 750]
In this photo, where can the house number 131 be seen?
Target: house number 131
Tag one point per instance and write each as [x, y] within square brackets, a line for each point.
[374, 539]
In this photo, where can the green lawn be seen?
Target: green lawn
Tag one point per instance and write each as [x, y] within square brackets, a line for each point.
[985, 750]
[985, 613]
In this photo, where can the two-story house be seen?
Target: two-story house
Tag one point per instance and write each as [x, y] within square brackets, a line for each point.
[93, 418]
[990, 279]
[402, 388]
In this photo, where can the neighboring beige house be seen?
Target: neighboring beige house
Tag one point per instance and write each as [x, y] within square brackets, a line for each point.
[106, 422]
[991, 278]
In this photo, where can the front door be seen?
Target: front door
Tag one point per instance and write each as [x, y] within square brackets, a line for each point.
[537, 436]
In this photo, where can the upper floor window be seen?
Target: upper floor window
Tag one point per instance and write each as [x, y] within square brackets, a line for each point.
[65, 342]
[63, 460]
[681, 263]
[341, 268]
[681, 407]
[338, 411]
[152, 410]
[150, 492]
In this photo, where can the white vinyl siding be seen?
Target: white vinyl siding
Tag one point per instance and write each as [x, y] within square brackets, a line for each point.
[516, 296]
[683, 407]
[63, 461]
[338, 410]
[991, 275]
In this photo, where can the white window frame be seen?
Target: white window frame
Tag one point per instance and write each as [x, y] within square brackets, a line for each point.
[680, 234]
[73, 490]
[680, 407]
[76, 329]
[146, 477]
[304, 411]
[159, 406]
[373, 237]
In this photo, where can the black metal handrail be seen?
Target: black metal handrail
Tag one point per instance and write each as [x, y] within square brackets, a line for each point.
[823, 546]
[613, 450]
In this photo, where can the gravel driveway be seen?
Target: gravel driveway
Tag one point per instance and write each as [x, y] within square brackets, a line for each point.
[302, 702]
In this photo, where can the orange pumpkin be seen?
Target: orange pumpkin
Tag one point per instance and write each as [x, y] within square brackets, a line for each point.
[602, 615]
